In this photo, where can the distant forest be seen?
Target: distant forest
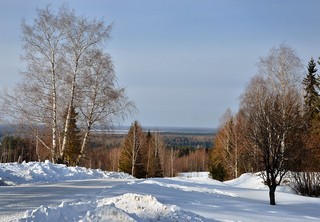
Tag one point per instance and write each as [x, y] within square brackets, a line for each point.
[188, 150]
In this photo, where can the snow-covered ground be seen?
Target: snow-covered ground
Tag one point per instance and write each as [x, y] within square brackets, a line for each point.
[49, 192]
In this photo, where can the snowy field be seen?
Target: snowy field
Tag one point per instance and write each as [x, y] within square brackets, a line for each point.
[48, 192]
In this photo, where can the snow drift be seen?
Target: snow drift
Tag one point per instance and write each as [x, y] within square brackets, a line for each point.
[44, 172]
[127, 207]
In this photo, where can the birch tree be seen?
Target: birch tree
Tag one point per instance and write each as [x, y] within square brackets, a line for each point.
[272, 105]
[34, 101]
[81, 36]
[102, 101]
[228, 139]
[230, 156]
[66, 67]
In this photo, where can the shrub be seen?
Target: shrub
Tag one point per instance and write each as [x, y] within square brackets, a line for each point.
[217, 172]
[306, 183]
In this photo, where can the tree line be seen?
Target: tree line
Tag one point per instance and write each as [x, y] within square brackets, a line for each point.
[113, 152]
[189, 141]
[276, 129]
[146, 154]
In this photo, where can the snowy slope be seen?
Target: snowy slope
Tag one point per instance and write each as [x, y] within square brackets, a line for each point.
[189, 197]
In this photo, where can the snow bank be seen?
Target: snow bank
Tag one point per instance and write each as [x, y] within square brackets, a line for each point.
[126, 207]
[255, 181]
[247, 180]
[44, 172]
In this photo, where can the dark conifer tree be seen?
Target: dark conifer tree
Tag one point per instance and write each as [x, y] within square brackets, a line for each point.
[158, 172]
[311, 98]
[149, 157]
[73, 144]
[12, 149]
[153, 162]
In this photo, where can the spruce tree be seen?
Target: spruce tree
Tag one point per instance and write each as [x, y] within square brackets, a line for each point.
[149, 157]
[311, 98]
[158, 172]
[73, 143]
[153, 162]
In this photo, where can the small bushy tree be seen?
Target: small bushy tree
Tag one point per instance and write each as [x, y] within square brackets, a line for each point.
[215, 167]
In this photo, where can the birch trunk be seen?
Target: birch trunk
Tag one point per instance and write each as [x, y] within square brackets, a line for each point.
[54, 112]
[71, 103]
[83, 145]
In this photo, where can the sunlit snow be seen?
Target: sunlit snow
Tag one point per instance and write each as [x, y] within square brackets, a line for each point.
[50, 192]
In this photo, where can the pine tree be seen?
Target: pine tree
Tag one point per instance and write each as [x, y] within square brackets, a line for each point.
[73, 143]
[149, 157]
[153, 162]
[215, 164]
[311, 97]
[131, 157]
[311, 160]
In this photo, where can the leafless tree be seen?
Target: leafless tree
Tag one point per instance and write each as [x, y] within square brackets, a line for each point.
[81, 36]
[102, 101]
[228, 139]
[34, 100]
[229, 146]
[66, 67]
[272, 105]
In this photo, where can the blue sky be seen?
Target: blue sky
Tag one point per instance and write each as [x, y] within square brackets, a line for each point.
[184, 63]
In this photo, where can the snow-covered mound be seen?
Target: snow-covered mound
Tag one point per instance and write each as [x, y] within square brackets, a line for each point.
[126, 207]
[255, 181]
[43, 172]
[248, 180]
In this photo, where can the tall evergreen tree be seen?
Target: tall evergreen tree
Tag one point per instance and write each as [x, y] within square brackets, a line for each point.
[312, 117]
[131, 159]
[311, 86]
[149, 157]
[153, 162]
[158, 172]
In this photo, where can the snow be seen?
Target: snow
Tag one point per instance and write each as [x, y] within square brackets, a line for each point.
[127, 207]
[44, 172]
[55, 192]
[247, 180]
